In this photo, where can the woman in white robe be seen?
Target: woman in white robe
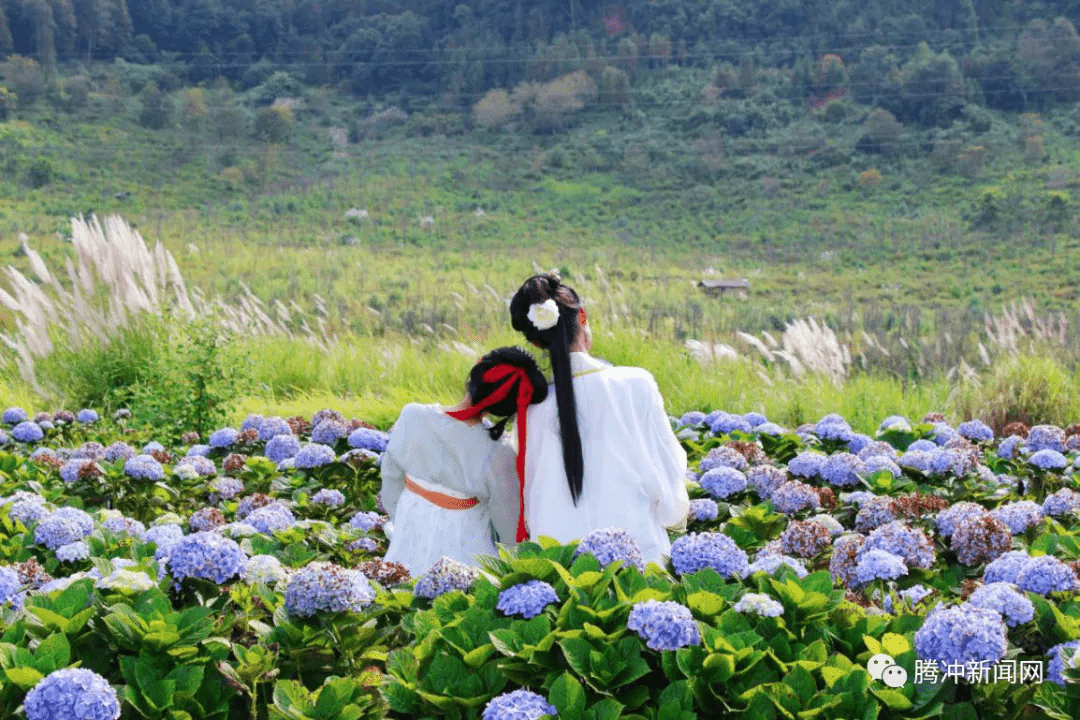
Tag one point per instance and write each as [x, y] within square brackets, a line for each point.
[449, 483]
[600, 449]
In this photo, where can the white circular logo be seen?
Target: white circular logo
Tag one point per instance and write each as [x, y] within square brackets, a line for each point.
[894, 676]
[878, 664]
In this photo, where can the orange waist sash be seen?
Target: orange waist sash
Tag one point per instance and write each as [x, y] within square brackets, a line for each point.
[437, 498]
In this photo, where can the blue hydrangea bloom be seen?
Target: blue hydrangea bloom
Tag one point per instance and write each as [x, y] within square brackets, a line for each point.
[1019, 516]
[124, 526]
[794, 496]
[910, 597]
[73, 552]
[951, 517]
[664, 625]
[144, 467]
[1006, 567]
[72, 694]
[895, 423]
[873, 513]
[10, 588]
[252, 422]
[976, 431]
[527, 599]
[1059, 656]
[878, 448]
[364, 544]
[765, 479]
[520, 704]
[703, 510]
[223, 438]
[769, 428]
[326, 587]
[69, 471]
[227, 487]
[695, 551]
[313, 455]
[27, 432]
[1045, 574]
[944, 434]
[693, 417]
[15, 415]
[1045, 437]
[86, 416]
[273, 426]
[207, 556]
[1004, 599]
[25, 507]
[608, 545]
[1010, 447]
[1047, 459]
[919, 460]
[858, 442]
[980, 539]
[1061, 502]
[445, 575]
[206, 519]
[961, 634]
[723, 482]
[759, 604]
[282, 447]
[329, 432]
[842, 469]
[328, 497]
[723, 456]
[265, 569]
[63, 526]
[876, 463]
[923, 445]
[755, 419]
[164, 536]
[727, 423]
[364, 520]
[912, 545]
[269, 518]
[119, 451]
[368, 439]
[879, 565]
[834, 427]
[769, 564]
[807, 464]
[198, 450]
[948, 461]
[151, 447]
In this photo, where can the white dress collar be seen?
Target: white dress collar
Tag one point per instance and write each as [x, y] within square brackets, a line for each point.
[582, 363]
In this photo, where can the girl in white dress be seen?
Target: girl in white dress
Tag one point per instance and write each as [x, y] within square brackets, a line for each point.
[448, 481]
[601, 452]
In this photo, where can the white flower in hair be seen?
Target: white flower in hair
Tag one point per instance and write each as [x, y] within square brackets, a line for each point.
[545, 315]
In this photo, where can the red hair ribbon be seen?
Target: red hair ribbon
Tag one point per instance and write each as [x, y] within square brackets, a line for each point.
[511, 373]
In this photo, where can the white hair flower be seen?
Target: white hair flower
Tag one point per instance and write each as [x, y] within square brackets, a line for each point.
[545, 315]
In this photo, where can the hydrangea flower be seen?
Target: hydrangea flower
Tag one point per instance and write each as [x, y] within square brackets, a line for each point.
[14, 416]
[185, 471]
[949, 461]
[90, 450]
[1019, 516]
[86, 416]
[1006, 568]
[804, 538]
[807, 464]
[72, 693]
[73, 552]
[364, 438]
[961, 634]
[207, 556]
[1003, 598]
[980, 538]
[845, 558]
[199, 451]
[329, 432]
[910, 597]
[769, 564]
[858, 441]
[520, 704]
[206, 519]
[273, 426]
[63, 526]
[765, 479]
[722, 482]
[976, 431]
[365, 521]
[829, 523]
[794, 496]
[124, 526]
[269, 518]
[1063, 502]
[328, 497]
[769, 428]
[134, 581]
[26, 507]
[364, 544]
[265, 569]
[723, 457]
[152, 447]
[1046, 574]
[1010, 447]
[833, 427]
[313, 455]
[703, 510]
[878, 447]
[755, 419]
[608, 545]
[11, 594]
[27, 432]
[894, 423]
[879, 565]
[1045, 437]
[949, 518]
[527, 599]
[727, 423]
[250, 503]
[144, 467]
[223, 438]
[1060, 655]
[842, 469]
[69, 471]
[873, 513]
[912, 545]
[445, 575]
[759, 604]
[164, 536]
[282, 447]
[919, 460]
[877, 463]
[664, 625]
[1048, 459]
[227, 488]
[944, 434]
[695, 551]
[203, 466]
[326, 414]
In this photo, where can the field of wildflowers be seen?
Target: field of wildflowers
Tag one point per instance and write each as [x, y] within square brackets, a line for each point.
[922, 571]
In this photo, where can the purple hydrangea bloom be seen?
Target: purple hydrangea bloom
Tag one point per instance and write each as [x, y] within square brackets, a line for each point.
[1045, 437]
[758, 604]
[198, 450]
[608, 545]
[73, 552]
[664, 625]
[527, 599]
[207, 556]
[1010, 447]
[86, 416]
[119, 451]
[765, 479]
[727, 423]
[859, 442]
[874, 513]
[834, 427]
[876, 463]
[879, 565]
[961, 634]
[980, 539]
[948, 461]
[227, 487]
[723, 457]
[1060, 655]
[365, 521]
[27, 432]
[364, 544]
[520, 704]
[703, 510]
[908, 598]
[282, 447]
[923, 445]
[1063, 502]
[265, 569]
[329, 432]
[696, 551]
[878, 448]
[794, 496]
[144, 467]
[1003, 598]
[844, 559]
[69, 471]
[951, 517]
[1019, 516]
[11, 594]
[769, 564]
[252, 422]
[273, 426]
[269, 518]
[769, 428]
[723, 482]
[124, 526]
[206, 519]
[223, 438]
[368, 439]
[912, 545]
[944, 434]
[1045, 574]
[63, 526]
[313, 455]
[1047, 459]
[842, 469]
[151, 447]
[755, 419]
[328, 497]
[807, 464]
[326, 414]
[72, 694]
[90, 450]
[326, 587]
[164, 536]
[15, 415]
[444, 576]
[1006, 567]
[976, 431]
[896, 423]
[25, 507]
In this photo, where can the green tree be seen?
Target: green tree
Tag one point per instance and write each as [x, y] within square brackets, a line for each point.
[932, 88]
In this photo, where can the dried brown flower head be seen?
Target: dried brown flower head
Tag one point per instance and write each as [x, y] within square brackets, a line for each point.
[249, 436]
[64, 417]
[384, 572]
[32, 574]
[749, 450]
[189, 438]
[917, 505]
[1015, 428]
[90, 471]
[234, 462]
[933, 417]
[827, 497]
[163, 456]
[299, 425]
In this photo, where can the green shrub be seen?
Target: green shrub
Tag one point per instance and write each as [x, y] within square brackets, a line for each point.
[1030, 389]
[40, 173]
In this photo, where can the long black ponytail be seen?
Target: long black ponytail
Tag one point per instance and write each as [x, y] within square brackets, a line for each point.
[557, 341]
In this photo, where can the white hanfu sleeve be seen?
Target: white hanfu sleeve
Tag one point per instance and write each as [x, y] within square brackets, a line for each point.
[673, 502]
[393, 475]
[502, 482]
